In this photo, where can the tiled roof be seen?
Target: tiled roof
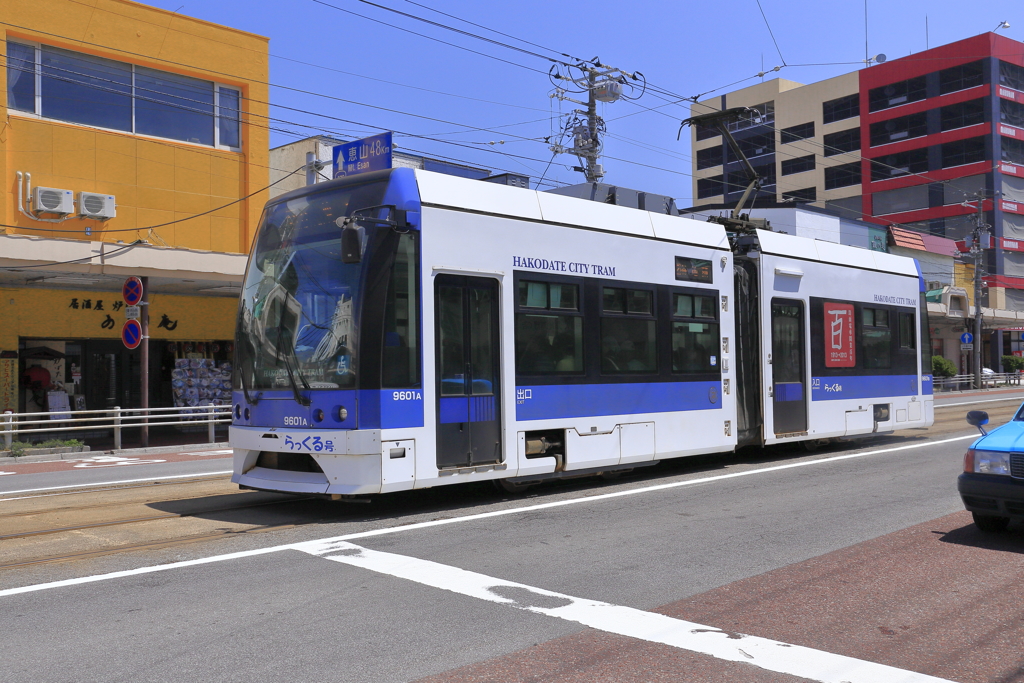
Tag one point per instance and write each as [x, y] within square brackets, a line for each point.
[911, 239]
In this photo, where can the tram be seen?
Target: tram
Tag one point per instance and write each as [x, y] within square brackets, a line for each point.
[404, 329]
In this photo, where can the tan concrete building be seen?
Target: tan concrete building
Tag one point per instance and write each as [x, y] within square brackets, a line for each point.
[804, 141]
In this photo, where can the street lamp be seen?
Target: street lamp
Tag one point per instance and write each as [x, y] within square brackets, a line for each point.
[1002, 24]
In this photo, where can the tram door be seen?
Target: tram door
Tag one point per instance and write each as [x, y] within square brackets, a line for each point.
[468, 355]
[789, 389]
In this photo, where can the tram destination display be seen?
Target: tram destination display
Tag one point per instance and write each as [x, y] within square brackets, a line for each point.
[693, 269]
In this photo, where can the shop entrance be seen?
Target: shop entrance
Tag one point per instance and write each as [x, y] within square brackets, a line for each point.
[112, 375]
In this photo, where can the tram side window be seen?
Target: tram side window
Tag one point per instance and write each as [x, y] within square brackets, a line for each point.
[907, 331]
[694, 340]
[401, 357]
[549, 329]
[877, 338]
[628, 336]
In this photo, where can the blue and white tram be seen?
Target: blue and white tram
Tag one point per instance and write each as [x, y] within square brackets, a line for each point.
[405, 329]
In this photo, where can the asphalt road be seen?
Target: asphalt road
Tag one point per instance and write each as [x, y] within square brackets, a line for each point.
[852, 551]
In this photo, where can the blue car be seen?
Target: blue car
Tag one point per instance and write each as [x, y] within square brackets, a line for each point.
[992, 483]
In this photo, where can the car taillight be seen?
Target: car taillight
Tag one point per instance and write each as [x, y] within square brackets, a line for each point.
[969, 460]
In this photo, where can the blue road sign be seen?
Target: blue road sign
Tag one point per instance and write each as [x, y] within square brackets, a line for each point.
[131, 291]
[363, 156]
[966, 338]
[131, 333]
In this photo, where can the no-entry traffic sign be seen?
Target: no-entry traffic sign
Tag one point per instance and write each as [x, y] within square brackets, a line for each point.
[131, 291]
[131, 333]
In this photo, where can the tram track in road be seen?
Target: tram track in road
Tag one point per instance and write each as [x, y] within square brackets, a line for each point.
[154, 545]
[172, 515]
[90, 523]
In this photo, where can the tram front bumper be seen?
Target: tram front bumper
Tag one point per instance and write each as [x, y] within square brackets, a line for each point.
[353, 468]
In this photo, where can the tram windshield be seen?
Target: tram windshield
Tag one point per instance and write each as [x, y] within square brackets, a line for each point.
[299, 313]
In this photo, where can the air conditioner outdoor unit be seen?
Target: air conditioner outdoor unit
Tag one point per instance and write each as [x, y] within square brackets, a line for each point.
[93, 205]
[52, 200]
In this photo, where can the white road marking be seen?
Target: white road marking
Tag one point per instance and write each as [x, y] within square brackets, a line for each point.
[468, 518]
[770, 655]
[3, 473]
[113, 461]
[112, 483]
[971, 403]
[224, 452]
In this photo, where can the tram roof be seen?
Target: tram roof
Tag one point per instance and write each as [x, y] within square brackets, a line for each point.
[781, 244]
[438, 189]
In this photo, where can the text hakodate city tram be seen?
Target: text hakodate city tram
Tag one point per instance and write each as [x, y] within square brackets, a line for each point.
[404, 329]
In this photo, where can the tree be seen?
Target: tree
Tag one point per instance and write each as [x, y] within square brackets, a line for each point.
[943, 367]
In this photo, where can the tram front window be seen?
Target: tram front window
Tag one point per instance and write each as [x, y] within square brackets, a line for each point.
[299, 313]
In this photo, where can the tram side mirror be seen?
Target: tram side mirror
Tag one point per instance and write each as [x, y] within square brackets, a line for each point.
[978, 418]
[351, 242]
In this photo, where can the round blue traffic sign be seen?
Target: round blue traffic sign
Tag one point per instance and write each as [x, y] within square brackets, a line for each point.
[131, 333]
[966, 338]
[131, 291]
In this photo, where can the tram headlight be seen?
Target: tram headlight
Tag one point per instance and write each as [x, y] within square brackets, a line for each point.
[342, 414]
[238, 410]
[318, 415]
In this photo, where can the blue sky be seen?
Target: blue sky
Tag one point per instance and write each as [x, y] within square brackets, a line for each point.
[444, 93]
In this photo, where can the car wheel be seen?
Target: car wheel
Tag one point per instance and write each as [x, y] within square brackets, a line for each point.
[510, 487]
[990, 523]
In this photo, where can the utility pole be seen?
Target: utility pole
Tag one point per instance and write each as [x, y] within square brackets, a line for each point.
[977, 253]
[601, 83]
[313, 167]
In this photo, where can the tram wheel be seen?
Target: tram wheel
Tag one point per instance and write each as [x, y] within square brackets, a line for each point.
[510, 487]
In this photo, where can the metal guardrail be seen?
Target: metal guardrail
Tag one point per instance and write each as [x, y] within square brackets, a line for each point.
[964, 382]
[116, 418]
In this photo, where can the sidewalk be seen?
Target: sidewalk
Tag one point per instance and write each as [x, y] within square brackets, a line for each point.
[181, 448]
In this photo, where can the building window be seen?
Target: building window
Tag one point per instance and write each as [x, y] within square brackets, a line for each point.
[808, 194]
[900, 200]
[628, 343]
[1013, 150]
[798, 165]
[961, 77]
[1011, 75]
[841, 142]
[709, 187]
[896, 165]
[706, 132]
[695, 337]
[841, 108]
[753, 146]
[737, 181]
[710, 157]
[1011, 113]
[956, 189]
[104, 93]
[902, 128]
[963, 114]
[549, 329]
[962, 152]
[759, 115]
[877, 338]
[895, 94]
[842, 176]
[21, 77]
[801, 132]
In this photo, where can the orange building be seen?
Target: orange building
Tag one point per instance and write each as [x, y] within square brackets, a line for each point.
[134, 142]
